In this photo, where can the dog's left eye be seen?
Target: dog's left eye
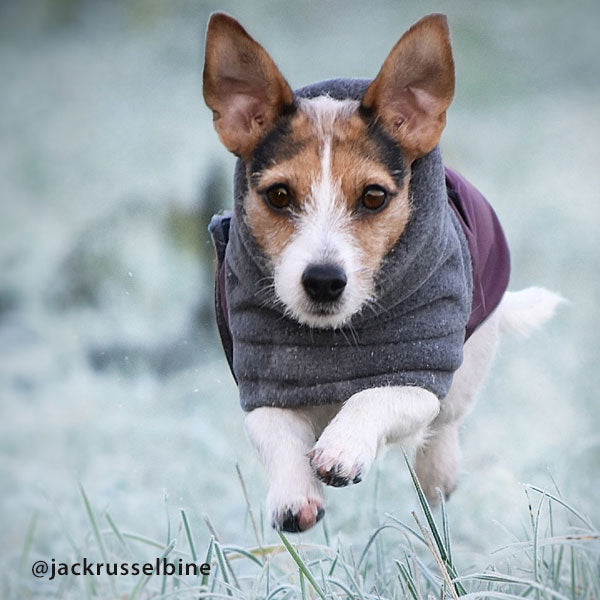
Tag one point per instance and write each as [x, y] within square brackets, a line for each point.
[278, 197]
[374, 198]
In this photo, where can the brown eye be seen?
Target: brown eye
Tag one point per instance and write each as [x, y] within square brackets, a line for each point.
[374, 197]
[278, 197]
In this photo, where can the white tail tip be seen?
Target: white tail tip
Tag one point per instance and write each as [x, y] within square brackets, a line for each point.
[524, 311]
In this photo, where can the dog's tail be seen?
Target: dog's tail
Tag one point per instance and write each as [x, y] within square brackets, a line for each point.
[524, 311]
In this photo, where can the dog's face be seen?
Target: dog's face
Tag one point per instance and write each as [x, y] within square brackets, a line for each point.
[328, 180]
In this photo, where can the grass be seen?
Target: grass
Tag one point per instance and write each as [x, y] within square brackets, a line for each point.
[557, 557]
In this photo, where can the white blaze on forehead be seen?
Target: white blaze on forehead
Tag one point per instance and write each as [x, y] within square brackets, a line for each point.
[325, 214]
[325, 111]
[322, 229]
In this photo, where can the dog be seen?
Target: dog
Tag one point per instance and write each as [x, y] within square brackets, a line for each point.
[352, 301]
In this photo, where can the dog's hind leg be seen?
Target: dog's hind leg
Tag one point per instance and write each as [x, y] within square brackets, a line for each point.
[283, 438]
[437, 461]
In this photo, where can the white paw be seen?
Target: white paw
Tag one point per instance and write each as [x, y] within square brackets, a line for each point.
[293, 510]
[340, 458]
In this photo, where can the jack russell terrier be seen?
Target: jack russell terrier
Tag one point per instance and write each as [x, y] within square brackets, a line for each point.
[361, 285]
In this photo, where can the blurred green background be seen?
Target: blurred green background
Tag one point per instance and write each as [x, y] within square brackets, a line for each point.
[111, 371]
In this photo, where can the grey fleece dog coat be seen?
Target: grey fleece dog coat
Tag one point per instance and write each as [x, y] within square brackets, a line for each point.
[435, 286]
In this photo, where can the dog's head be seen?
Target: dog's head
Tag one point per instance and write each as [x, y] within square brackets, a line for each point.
[328, 180]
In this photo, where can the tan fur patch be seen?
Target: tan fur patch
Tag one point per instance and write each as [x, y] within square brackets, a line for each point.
[356, 165]
[274, 230]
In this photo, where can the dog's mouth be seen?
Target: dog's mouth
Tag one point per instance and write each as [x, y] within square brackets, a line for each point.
[332, 316]
[329, 315]
[321, 310]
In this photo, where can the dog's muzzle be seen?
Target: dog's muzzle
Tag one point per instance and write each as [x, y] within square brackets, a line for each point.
[324, 283]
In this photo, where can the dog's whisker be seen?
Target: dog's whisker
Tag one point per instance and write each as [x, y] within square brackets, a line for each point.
[354, 335]
[267, 278]
[373, 303]
[341, 330]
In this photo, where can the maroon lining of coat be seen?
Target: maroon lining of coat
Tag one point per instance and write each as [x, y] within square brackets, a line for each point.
[490, 257]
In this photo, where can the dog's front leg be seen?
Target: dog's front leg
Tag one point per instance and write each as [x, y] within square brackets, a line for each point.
[283, 438]
[369, 420]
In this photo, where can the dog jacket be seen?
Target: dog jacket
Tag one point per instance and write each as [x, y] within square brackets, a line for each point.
[445, 275]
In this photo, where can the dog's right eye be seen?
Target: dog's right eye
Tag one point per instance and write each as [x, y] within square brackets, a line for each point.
[374, 198]
[278, 197]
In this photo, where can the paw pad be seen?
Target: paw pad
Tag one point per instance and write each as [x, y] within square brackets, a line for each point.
[297, 521]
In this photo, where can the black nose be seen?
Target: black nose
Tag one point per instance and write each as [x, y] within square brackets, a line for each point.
[324, 283]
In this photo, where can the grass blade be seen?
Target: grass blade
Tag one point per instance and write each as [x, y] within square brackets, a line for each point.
[445, 527]
[408, 528]
[572, 510]
[94, 523]
[301, 565]
[511, 580]
[594, 576]
[558, 565]
[339, 584]
[408, 580]
[536, 529]
[426, 510]
[188, 533]
[220, 554]
[573, 578]
[243, 552]
[142, 539]
[326, 532]
[97, 535]
[370, 542]
[28, 541]
[302, 585]
[448, 568]
[281, 588]
[268, 583]
[333, 564]
[259, 541]
[441, 564]
[484, 594]
[208, 559]
[143, 581]
[117, 533]
[352, 580]
[221, 559]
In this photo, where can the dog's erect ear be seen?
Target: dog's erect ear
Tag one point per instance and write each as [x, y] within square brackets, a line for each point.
[415, 86]
[242, 85]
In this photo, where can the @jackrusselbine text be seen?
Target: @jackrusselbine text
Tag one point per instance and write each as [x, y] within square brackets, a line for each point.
[160, 566]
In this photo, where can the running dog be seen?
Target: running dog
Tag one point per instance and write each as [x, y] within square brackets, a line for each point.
[361, 284]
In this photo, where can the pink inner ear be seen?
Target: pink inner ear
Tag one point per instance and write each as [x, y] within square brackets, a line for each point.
[242, 101]
[414, 102]
[427, 102]
[242, 110]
